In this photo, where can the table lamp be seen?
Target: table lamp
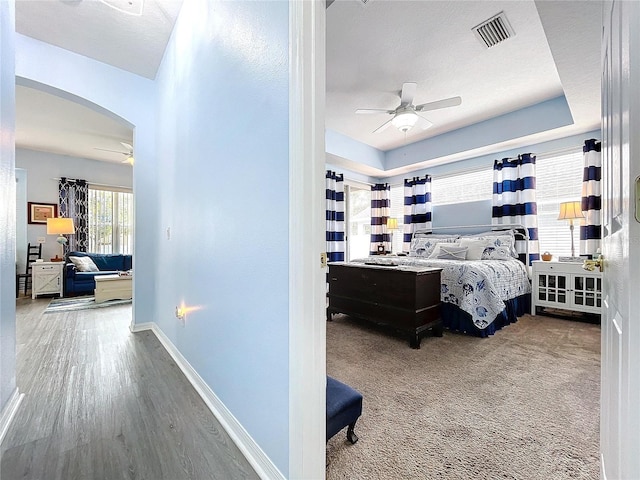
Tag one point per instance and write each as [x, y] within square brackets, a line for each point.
[571, 211]
[60, 226]
[392, 224]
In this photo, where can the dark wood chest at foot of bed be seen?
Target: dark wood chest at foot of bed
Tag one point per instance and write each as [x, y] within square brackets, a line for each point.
[405, 298]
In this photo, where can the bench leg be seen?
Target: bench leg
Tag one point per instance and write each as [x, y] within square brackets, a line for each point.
[351, 435]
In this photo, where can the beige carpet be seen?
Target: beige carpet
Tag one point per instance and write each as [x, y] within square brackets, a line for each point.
[523, 404]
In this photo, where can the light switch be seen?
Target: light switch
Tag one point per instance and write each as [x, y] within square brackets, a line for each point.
[42, 240]
[168, 233]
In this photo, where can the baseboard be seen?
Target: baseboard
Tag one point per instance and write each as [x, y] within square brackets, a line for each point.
[9, 412]
[256, 457]
[141, 327]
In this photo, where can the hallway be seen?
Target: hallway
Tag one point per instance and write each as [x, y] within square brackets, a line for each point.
[103, 403]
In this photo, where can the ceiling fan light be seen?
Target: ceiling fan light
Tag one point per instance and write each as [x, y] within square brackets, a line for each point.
[404, 121]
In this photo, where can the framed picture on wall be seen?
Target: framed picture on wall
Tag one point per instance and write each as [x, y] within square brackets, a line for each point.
[39, 212]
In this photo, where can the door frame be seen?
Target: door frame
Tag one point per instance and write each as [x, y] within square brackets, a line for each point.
[307, 283]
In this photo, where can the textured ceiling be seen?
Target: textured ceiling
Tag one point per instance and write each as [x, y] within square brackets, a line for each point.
[372, 50]
[49, 123]
[92, 28]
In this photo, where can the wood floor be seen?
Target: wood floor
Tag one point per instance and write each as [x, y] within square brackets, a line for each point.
[103, 403]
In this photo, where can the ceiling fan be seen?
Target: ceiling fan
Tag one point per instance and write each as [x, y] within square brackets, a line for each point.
[406, 115]
[129, 153]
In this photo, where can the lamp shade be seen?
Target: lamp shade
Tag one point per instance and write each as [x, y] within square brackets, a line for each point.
[60, 226]
[404, 121]
[392, 223]
[570, 211]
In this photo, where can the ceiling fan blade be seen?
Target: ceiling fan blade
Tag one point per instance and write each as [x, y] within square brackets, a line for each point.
[112, 151]
[383, 126]
[374, 110]
[408, 92]
[447, 102]
[127, 146]
[423, 122]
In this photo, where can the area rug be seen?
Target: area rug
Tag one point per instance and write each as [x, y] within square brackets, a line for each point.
[79, 303]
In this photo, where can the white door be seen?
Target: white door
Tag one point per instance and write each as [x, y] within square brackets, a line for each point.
[620, 389]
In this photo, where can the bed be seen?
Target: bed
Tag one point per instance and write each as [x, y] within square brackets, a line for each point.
[485, 282]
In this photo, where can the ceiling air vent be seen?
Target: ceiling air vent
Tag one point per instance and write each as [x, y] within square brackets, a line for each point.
[493, 31]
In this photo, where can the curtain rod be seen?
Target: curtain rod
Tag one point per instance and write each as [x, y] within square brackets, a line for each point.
[97, 184]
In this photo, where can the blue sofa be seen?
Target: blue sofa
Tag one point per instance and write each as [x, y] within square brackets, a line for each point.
[83, 283]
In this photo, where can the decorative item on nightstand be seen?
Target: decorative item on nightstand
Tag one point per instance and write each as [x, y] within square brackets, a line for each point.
[546, 256]
[60, 226]
[392, 224]
[571, 211]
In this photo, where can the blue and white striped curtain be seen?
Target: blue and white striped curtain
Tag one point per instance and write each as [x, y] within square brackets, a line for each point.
[514, 199]
[590, 228]
[417, 207]
[380, 207]
[334, 188]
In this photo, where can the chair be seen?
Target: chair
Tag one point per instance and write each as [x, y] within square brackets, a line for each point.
[34, 252]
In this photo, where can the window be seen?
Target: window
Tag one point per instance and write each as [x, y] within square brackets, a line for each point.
[462, 187]
[558, 179]
[358, 207]
[397, 211]
[110, 221]
[358, 210]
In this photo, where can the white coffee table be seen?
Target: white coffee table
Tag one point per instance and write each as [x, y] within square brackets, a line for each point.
[113, 287]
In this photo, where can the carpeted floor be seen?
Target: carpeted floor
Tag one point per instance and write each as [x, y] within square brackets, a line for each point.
[79, 303]
[523, 404]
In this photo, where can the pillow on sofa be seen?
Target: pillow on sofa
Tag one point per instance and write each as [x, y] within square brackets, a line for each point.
[84, 264]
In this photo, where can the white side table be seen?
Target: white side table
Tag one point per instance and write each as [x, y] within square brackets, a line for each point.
[46, 278]
[567, 286]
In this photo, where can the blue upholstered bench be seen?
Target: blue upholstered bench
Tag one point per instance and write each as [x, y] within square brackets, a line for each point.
[344, 407]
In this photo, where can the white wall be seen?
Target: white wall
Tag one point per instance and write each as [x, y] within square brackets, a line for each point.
[7, 205]
[43, 169]
[224, 177]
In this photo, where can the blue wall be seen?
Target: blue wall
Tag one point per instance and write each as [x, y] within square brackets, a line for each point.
[7, 205]
[215, 188]
[223, 174]
[129, 99]
[467, 213]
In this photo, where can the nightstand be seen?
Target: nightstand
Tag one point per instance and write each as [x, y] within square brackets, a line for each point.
[567, 286]
[46, 278]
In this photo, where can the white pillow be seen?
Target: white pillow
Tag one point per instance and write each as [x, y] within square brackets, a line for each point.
[84, 264]
[475, 247]
[436, 249]
[451, 252]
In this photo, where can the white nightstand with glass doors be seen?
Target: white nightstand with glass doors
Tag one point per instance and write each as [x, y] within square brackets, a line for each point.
[567, 286]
